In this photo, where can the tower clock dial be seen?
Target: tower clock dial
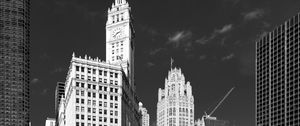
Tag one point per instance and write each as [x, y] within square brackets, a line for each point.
[117, 33]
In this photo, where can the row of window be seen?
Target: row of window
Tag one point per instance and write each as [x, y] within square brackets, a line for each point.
[94, 71]
[81, 101]
[93, 118]
[100, 111]
[101, 80]
[94, 87]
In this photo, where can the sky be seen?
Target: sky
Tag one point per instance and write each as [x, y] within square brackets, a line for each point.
[212, 41]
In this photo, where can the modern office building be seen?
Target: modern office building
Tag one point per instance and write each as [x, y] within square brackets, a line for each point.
[59, 95]
[175, 105]
[278, 76]
[14, 62]
[145, 119]
[50, 122]
[102, 93]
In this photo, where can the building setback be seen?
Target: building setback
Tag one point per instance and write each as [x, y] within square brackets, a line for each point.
[102, 93]
[278, 76]
[175, 105]
[14, 62]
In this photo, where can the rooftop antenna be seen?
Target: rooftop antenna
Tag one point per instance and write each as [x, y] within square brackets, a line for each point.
[172, 61]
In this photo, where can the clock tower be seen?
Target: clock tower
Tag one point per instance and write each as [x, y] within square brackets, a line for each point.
[120, 38]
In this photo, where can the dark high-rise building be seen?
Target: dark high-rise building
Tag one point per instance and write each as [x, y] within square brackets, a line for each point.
[14, 62]
[278, 76]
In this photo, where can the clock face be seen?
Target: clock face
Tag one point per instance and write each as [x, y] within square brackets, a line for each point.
[117, 33]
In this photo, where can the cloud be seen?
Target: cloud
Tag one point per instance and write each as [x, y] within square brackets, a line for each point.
[202, 41]
[224, 29]
[254, 14]
[34, 81]
[150, 64]
[202, 57]
[228, 57]
[179, 37]
[155, 51]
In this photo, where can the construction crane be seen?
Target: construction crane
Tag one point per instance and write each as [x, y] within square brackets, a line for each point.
[212, 112]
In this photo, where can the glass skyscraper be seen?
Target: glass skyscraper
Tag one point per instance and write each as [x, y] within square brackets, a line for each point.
[278, 76]
[14, 62]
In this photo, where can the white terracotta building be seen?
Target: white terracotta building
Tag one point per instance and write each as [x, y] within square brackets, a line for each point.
[175, 105]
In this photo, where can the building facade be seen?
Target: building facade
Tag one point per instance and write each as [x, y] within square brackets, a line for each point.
[175, 105]
[14, 62]
[50, 122]
[102, 93]
[145, 119]
[278, 76]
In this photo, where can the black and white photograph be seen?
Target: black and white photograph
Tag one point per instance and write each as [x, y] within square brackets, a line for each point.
[149, 62]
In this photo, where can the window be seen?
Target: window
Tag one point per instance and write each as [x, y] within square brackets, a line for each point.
[82, 109]
[100, 96]
[77, 84]
[82, 77]
[94, 110]
[111, 74]
[100, 103]
[100, 80]
[105, 80]
[82, 69]
[94, 118]
[116, 105]
[111, 90]
[94, 102]
[89, 94]
[89, 70]
[77, 100]
[77, 116]
[89, 117]
[105, 119]
[89, 110]
[77, 123]
[105, 88]
[82, 85]
[100, 88]
[77, 76]
[82, 101]
[105, 112]
[105, 96]
[105, 73]
[105, 104]
[94, 78]
[111, 97]
[111, 105]
[100, 111]
[116, 75]
[94, 71]
[100, 119]
[82, 117]
[116, 98]
[89, 78]
[77, 68]
[111, 120]
[116, 90]
[100, 72]
[77, 109]
[116, 82]
[89, 86]
[94, 95]
[116, 120]
[82, 93]
[77, 92]
[116, 113]
[111, 82]
[94, 87]
[89, 102]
